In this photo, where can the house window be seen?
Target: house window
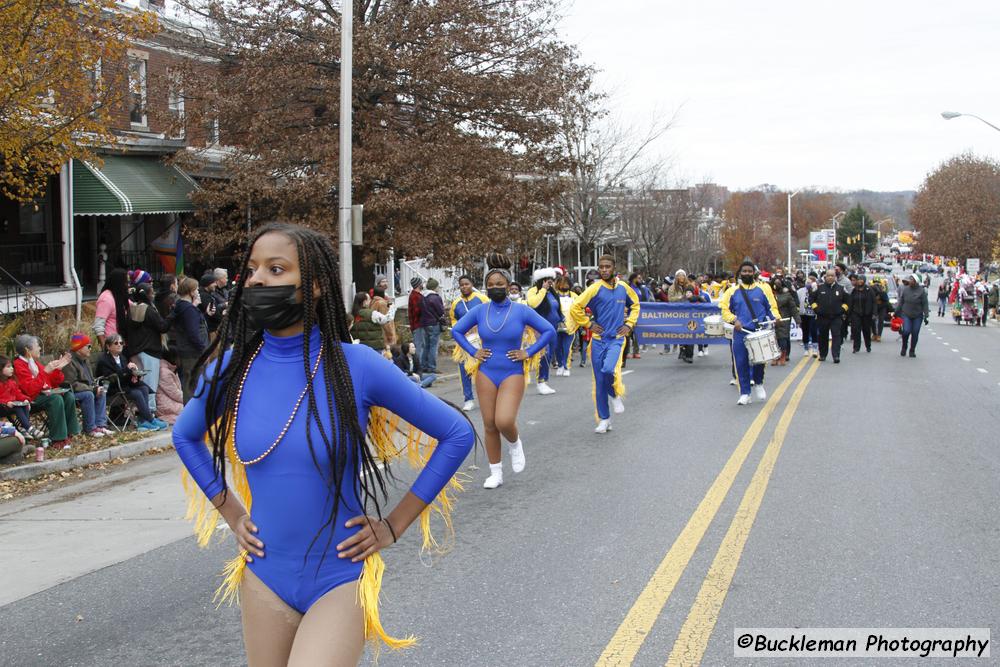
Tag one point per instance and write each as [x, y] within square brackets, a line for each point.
[175, 105]
[137, 90]
[212, 131]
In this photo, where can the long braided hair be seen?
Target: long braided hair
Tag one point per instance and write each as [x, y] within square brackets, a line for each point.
[318, 264]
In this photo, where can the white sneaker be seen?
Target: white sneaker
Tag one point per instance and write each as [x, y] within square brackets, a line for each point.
[705, 352]
[559, 372]
[701, 353]
[759, 393]
[732, 382]
[618, 404]
[566, 372]
[469, 406]
[744, 399]
[544, 389]
[603, 426]
[96, 433]
[496, 476]
[516, 455]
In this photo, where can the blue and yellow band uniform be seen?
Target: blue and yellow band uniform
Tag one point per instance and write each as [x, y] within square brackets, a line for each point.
[608, 302]
[459, 307]
[734, 307]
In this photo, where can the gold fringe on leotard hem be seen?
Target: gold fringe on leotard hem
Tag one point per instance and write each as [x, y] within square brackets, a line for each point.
[531, 364]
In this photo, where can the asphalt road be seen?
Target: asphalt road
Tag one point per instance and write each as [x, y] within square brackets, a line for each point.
[869, 498]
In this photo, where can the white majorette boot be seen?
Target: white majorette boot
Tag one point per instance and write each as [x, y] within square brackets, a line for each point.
[618, 404]
[759, 393]
[744, 399]
[516, 455]
[603, 426]
[469, 406]
[496, 476]
[544, 389]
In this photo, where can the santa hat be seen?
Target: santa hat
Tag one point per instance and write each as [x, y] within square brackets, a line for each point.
[765, 275]
[542, 274]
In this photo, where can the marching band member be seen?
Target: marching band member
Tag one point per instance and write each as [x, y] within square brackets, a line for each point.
[544, 301]
[500, 364]
[468, 299]
[567, 329]
[608, 299]
[745, 305]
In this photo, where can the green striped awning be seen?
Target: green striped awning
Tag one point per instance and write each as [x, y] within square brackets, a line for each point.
[125, 185]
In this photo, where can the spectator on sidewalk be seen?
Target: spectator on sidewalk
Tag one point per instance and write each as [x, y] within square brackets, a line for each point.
[190, 332]
[386, 314]
[413, 308]
[91, 397]
[208, 302]
[364, 329]
[169, 395]
[113, 362]
[406, 360]
[14, 403]
[41, 385]
[432, 317]
[112, 306]
[145, 337]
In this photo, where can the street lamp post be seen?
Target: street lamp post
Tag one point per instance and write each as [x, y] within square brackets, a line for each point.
[834, 220]
[346, 76]
[948, 115]
[790, 266]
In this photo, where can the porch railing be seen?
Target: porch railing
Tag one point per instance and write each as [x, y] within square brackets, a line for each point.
[32, 263]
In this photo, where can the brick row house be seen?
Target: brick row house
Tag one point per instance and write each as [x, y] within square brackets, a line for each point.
[127, 209]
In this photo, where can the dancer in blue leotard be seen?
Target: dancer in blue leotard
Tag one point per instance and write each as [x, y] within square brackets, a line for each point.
[287, 410]
[500, 375]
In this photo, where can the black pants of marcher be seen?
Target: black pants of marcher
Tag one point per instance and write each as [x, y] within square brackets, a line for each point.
[687, 352]
[880, 316]
[829, 327]
[861, 327]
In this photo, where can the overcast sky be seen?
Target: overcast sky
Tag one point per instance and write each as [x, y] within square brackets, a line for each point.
[843, 94]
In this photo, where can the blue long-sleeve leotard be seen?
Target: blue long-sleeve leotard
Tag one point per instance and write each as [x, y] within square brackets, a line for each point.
[501, 328]
[291, 500]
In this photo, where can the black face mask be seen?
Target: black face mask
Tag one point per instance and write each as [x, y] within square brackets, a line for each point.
[272, 308]
[747, 280]
[496, 294]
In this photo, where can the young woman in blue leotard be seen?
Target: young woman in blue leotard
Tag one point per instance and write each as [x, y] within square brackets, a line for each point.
[500, 378]
[288, 407]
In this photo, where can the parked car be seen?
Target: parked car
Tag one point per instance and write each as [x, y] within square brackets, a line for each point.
[929, 268]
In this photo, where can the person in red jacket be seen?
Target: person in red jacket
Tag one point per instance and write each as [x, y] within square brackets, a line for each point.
[13, 402]
[41, 385]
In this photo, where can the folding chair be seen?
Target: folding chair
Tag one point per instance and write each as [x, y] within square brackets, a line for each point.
[121, 410]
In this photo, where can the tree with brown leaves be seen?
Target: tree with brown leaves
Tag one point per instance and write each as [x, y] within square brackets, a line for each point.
[455, 118]
[957, 209]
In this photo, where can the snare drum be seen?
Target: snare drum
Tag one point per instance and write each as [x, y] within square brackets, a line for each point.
[762, 346]
[713, 325]
[727, 330]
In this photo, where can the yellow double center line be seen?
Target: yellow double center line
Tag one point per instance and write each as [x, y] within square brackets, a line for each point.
[628, 639]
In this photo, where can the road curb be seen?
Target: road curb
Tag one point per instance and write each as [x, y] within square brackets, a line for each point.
[33, 470]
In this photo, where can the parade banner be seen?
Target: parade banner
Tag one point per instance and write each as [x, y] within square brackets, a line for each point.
[676, 323]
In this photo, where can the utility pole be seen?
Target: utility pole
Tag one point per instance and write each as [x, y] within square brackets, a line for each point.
[346, 59]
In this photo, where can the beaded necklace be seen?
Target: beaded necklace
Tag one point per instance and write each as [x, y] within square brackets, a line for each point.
[288, 424]
[490, 326]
